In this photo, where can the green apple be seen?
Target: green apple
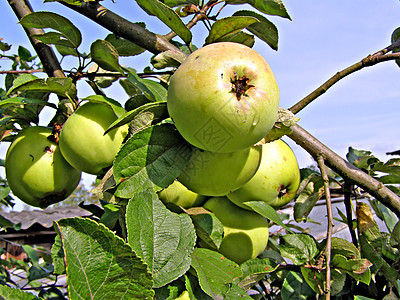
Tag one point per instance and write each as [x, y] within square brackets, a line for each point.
[36, 171]
[178, 194]
[183, 296]
[223, 97]
[276, 180]
[245, 232]
[82, 140]
[217, 174]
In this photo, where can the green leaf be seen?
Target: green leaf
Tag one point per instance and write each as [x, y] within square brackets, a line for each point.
[395, 236]
[227, 26]
[267, 211]
[168, 58]
[10, 293]
[241, 38]
[356, 268]
[152, 158]
[301, 248]
[100, 264]
[56, 22]
[105, 55]
[392, 166]
[123, 46]
[152, 113]
[163, 239]
[113, 104]
[215, 272]
[209, 229]
[295, 287]
[343, 247]
[173, 3]
[269, 7]
[24, 101]
[146, 86]
[254, 270]
[317, 280]
[57, 255]
[395, 36]
[168, 16]
[264, 29]
[60, 86]
[312, 189]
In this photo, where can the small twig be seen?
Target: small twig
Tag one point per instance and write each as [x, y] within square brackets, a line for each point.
[368, 61]
[22, 71]
[322, 167]
[348, 189]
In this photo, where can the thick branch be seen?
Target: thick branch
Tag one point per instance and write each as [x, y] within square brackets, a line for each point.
[368, 61]
[121, 27]
[348, 171]
[45, 53]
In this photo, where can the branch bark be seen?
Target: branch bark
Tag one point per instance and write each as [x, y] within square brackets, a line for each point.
[345, 169]
[121, 27]
[46, 54]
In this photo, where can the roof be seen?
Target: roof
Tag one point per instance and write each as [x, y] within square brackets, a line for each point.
[43, 217]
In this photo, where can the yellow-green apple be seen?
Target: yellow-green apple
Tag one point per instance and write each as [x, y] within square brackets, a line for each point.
[178, 194]
[223, 97]
[82, 140]
[183, 296]
[217, 174]
[36, 171]
[245, 232]
[276, 180]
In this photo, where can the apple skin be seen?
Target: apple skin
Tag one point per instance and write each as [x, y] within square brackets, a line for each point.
[178, 194]
[36, 171]
[276, 180]
[217, 174]
[203, 103]
[82, 140]
[245, 232]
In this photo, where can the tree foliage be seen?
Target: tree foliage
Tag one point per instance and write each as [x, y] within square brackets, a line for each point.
[134, 247]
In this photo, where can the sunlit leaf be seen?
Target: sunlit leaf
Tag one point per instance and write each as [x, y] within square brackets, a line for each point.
[105, 55]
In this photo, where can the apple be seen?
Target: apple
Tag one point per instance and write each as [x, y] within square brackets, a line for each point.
[223, 97]
[183, 296]
[178, 194]
[82, 140]
[276, 180]
[217, 174]
[36, 171]
[245, 232]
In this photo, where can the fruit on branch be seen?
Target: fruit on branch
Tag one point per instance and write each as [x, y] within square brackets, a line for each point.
[223, 97]
[178, 194]
[217, 174]
[36, 171]
[82, 140]
[276, 180]
[245, 232]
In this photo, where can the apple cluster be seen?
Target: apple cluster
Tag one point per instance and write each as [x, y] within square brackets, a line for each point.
[41, 172]
[223, 100]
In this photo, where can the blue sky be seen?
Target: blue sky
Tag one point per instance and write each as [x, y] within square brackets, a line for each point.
[323, 37]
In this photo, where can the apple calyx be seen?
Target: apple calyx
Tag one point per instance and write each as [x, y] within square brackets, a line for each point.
[240, 85]
[283, 190]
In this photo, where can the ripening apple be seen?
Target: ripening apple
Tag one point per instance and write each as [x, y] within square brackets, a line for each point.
[245, 232]
[217, 174]
[223, 97]
[36, 171]
[276, 180]
[178, 194]
[82, 140]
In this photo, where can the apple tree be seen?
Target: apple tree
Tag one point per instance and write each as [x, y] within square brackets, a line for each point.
[153, 236]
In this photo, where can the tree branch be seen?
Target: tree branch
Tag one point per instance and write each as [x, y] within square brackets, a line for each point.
[46, 54]
[345, 169]
[368, 61]
[121, 27]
